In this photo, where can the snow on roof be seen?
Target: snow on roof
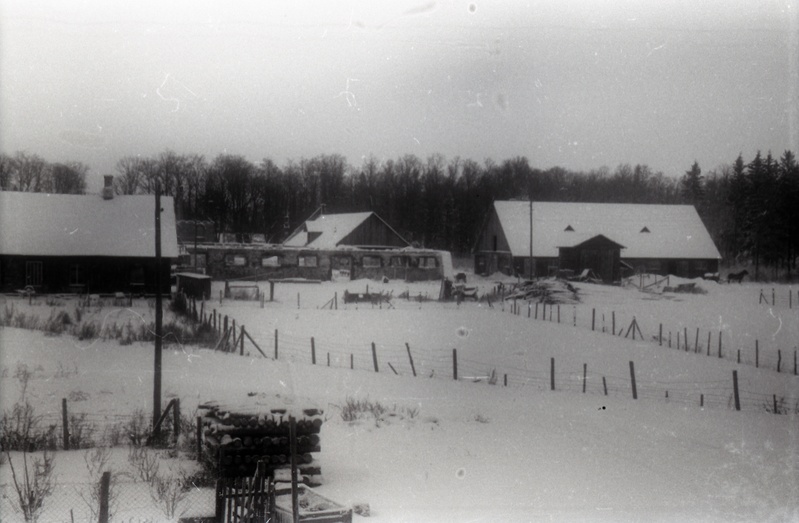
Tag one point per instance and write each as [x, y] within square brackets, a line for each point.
[326, 231]
[42, 224]
[675, 231]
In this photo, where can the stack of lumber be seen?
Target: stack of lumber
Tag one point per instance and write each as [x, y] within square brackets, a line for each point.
[544, 291]
[238, 437]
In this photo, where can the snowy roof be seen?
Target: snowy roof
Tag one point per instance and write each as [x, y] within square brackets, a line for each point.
[328, 230]
[645, 231]
[84, 225]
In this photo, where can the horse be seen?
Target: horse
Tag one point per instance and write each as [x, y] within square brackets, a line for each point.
[737, 276]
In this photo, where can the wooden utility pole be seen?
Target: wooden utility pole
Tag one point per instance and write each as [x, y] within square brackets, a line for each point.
[532, 271]
[159, 312]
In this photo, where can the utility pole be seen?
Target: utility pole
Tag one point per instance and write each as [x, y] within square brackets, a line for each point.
[159, 312]
[532, 271]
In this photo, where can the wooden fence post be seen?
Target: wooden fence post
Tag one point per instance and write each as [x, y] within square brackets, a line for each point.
[632, 380]
[352, 362]
[794, 364]
[735, 390]
[779, 359]
[65, 422]
[613, 323]
[176, 420]
[585, 375]
[313, 351]
[757, 354]
[275, 343]
[776, 409]
[241, 341]
[660, 335]
[605, 385]
[708, 343]
[505, 380]
[390, 366]
[696, 340]
[455, 364]
[410, 357]
[199, 437]
[593, 318]
[558, 312]
[295, 502]
[105, 483]
[685, 338]
[374, 356]
[552, 374]
[271, 290]
[328, 359]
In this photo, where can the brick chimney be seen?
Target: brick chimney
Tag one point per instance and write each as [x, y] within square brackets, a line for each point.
[108, 187]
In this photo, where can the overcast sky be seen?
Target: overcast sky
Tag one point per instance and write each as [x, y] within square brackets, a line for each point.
[577, 84]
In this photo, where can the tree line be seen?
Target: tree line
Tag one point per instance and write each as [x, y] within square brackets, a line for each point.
[749, 208]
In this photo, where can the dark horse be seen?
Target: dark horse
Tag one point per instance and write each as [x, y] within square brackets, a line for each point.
[737, 276]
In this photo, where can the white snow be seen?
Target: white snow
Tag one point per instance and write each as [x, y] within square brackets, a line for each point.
[469, 451]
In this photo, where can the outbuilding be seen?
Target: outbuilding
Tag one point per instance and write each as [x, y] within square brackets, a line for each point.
[544, 238]
[66, 243]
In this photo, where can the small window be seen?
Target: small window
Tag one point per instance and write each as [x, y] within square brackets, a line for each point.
[645, 229]
[76, 274]
[235, 260]
[371, 262]
[427, 262]
[398, 261]
[137, 274]
[307, 261]
[271, 261]
[569, 228]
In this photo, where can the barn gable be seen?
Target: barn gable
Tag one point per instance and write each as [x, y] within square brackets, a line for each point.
[355, 229]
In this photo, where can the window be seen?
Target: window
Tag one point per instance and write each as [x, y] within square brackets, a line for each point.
[76, 274]
[137, 274]
[398, 261]
[371, 262]
[271, 261]
[235, 260]
[307, 261]
[33, 273]
[427, 262]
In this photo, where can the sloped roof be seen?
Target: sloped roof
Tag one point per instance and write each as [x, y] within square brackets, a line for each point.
[328, 231]
[42, 224]
[675, 231]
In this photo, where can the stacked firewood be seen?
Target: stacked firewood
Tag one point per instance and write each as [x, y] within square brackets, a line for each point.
[544, 291]
[238, 438]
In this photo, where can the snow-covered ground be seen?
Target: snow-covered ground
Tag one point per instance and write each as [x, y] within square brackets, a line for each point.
[467, 450]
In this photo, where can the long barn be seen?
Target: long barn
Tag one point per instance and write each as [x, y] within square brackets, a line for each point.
[66, 243]
[607, 238]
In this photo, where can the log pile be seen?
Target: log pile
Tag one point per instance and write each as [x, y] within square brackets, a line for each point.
[237, 438]
[551, 291]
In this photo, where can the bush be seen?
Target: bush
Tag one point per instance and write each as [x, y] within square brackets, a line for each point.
[20, 430]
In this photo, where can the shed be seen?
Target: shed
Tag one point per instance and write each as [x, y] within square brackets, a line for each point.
[194, 285]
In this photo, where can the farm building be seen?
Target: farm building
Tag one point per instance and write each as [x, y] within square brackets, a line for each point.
[609, 239]
[360, 229]
[328, 247]
[60, 243]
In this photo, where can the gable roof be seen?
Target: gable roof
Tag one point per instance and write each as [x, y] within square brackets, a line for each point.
[675, 231]
[39, 224]
[329, 230]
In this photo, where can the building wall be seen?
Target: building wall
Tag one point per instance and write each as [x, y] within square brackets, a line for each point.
[230, 262]
[492, 238]
[684, 268]
[82, 274]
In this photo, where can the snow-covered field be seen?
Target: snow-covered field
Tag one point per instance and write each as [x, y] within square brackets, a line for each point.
[467, 450]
